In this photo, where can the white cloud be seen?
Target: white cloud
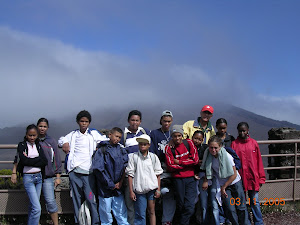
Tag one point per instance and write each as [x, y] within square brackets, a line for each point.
[45, 77]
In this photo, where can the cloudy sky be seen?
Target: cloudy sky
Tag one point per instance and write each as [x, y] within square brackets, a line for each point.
[58, 57]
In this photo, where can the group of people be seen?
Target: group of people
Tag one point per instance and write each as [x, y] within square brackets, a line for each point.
[190, 167]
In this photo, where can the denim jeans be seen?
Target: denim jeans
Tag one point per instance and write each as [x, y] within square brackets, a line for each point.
[214, 202]
[48, 192]
[169, 206]
[33, 186]
[257, 216]
[83, 187]
[116, 204]
[203, 201]
[140, 207]
[235, 205]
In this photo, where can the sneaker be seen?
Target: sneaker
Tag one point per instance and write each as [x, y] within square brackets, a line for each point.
[167, 223]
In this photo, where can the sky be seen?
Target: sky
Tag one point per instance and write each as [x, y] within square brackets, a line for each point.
[59, 57]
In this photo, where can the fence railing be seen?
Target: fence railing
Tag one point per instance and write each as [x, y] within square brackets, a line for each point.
[273, 192]
[287, 189]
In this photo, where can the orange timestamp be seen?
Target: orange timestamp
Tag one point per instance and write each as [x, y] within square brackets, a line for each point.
[267, 201]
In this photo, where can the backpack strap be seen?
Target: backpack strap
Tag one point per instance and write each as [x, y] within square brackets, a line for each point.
[153, 159]
[186, 144]
[124, 138]
[135, 158]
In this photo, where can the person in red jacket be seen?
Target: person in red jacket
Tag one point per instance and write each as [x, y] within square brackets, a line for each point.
[252, 170]
[181, 160]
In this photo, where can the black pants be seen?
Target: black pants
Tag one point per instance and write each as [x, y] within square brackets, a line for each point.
[186, 194]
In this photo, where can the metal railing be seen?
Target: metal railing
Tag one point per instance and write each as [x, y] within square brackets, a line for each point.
[279, 190]
[287, 189]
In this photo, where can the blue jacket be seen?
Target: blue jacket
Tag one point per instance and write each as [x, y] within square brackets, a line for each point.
[235, 157]
[109, 163]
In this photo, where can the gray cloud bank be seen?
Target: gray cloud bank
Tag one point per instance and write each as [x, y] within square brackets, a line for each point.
[45, 77]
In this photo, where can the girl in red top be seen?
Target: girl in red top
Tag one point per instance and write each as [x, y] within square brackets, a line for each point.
[252, 170]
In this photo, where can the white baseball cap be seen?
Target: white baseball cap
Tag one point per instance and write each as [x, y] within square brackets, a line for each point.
[144, 138]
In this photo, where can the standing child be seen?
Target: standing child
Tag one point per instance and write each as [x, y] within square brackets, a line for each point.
[197, 139]
[109, 165]
[225, 181]
[81, 144]
[31, 165]
[227, 139]
[252, 170]
[52, 169]
[221, 125]
[129, 141]
[144, 170]
[181, 161]
[159, 139]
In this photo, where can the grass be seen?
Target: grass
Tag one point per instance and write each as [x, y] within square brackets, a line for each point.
[287, 207]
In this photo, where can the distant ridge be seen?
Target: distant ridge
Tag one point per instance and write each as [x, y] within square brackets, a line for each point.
[108, 118]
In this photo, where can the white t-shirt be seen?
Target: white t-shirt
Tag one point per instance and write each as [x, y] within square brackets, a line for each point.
[215, 167]
[32, 153]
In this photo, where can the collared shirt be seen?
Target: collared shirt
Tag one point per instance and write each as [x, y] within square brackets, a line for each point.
[191, 126]
[131, 144]
[94, 137]
[81, 151]
[144, 171]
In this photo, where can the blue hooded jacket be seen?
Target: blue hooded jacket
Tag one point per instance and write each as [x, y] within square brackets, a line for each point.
[109, 163]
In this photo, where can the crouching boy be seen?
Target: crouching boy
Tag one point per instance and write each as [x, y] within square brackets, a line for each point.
[109, 165]
[143, 172]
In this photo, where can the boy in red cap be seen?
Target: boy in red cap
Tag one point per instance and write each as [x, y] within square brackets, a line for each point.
[201, 123]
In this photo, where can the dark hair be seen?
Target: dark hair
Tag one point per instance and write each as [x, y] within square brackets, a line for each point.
[242, 124]
[30, 127]
[116, 129]
[198, 132]
[42, 120]
[220, 120]
[134, 113]
[215, 138]
[83, 113]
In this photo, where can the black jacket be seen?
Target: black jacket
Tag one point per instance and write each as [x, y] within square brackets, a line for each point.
[40, 161]
[228, 140]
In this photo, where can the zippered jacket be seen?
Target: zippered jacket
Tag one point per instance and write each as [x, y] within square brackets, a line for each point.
[54, 166]
[191, 126]
[109, 163]
[40, 161]
[252, 170]
[188, 159]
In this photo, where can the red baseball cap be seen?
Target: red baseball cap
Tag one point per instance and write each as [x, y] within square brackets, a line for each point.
[207, 108]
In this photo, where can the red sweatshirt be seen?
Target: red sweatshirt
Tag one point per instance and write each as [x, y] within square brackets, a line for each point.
[252, 170]
[187, 160]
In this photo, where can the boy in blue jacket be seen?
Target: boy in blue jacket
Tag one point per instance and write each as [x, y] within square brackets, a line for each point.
[109, 165]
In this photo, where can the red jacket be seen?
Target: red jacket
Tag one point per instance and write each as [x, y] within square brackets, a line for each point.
[187, 160]
[252, 170]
